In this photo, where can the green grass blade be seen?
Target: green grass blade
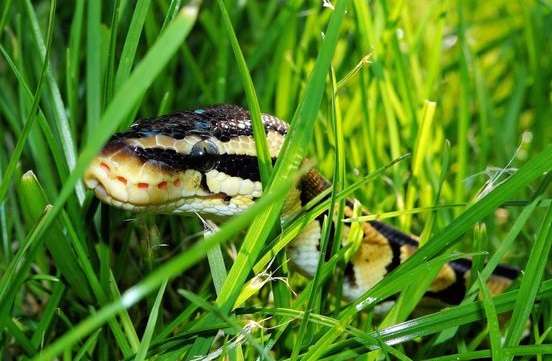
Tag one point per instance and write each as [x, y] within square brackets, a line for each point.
[31, 117]
[34, 201]
[530, 283]
[453, 316]
[88, 346]
[215, 258]
[54, 98]
[131, 42]
[49, 314]
[125, 321]
[16, 271]
[5, 13]
[261, 144]
[493, 262]
[492, 320]
[109, 84]
[73, 60]
[20, 337]
[94, 75]
[150, 327]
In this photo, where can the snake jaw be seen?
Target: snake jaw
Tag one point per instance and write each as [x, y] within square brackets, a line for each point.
[182, 198]
[121, 179]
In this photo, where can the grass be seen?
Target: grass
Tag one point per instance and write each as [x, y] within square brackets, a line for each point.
[463, 86]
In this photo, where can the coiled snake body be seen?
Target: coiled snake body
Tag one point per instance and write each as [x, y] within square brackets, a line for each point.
[204, 161]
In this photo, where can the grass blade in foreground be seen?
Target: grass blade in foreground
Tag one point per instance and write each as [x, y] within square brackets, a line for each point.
[34, 200]
[261, 145]
[419, 327]
[32, 116]
[492, 320]
[150, 327]
[293, 229]
[93, 67]
[531, 281]
[131, 41]
[528, 350]
[452, 317]
[54, 98]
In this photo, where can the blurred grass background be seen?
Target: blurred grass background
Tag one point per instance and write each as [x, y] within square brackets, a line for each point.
[465, 86]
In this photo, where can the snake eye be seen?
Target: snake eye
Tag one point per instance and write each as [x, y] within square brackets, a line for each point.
[204, 147]
[204, 154]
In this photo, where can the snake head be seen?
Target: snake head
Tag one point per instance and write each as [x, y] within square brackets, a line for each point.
[189, 161]
[129, 174]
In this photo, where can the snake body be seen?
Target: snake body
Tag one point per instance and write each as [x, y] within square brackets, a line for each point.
[204, 161]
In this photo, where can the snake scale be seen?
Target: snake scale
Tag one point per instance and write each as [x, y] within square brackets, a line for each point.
[204, 161]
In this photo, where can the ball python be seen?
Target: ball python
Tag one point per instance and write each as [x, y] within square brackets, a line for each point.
[204, 161]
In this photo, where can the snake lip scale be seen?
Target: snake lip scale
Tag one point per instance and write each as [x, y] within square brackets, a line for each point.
[204, 161]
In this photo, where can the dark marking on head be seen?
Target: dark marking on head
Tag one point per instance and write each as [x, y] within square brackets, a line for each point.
[203, 183]
[243, 166]
[235, 165]
[202, 125]
[114, 145]
[220, 121]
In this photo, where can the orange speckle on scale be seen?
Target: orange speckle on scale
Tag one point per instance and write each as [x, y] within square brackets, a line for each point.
[162, 185]
[142, 185]
[104, 166]
[122, 179]
[177, 182]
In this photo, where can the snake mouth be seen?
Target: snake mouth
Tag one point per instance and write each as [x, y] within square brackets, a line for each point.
[118, 196]
[119, 177]
[167, 198]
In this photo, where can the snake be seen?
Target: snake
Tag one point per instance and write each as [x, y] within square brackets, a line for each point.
[204, 162]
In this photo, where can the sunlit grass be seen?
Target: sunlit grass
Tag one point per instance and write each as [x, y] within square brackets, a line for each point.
[463, 87]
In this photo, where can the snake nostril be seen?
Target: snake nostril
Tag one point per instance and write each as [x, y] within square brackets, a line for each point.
[142, 185]
[122, 179]
[162, 185]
